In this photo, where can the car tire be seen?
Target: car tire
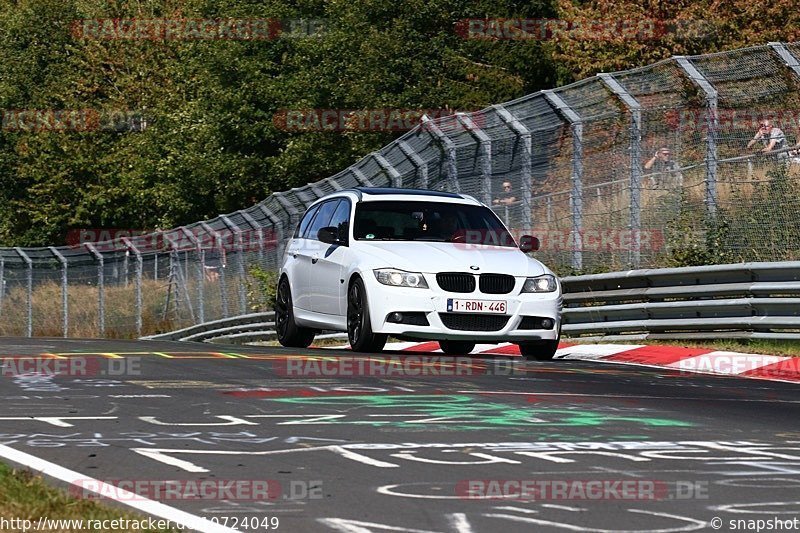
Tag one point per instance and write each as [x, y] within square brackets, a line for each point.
[289, 333]
[359, 329]
[539, 350]
[456, 347]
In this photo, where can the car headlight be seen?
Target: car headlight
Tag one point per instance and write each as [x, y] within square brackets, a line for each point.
[400, 278]
[546, 283]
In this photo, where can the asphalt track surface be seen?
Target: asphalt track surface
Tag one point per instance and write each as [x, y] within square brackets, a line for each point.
[417, 450]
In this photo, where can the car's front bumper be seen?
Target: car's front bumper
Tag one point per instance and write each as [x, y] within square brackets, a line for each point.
[384, 300]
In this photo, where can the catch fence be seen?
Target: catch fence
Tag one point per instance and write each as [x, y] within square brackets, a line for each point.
[584, 174]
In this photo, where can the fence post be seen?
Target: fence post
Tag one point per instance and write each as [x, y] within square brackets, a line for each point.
[277, 223]
[787, 57]
[2, 282]
[333, 183]
[361, 177]
[485, 143]
[237, 231]
[125, 267]
[712, 121]
[449, 148]
[394, 176]
[201, 273]
[303, 195]
[157, 238]
[101, 297]
[29, 291]
[419, 164]
[138, 284]
[524, 136]
[177, 279]
[635, 109]
[64, 287]
[287, 206]
[259, 234]
[223, 293]
[576, 194]
[316, 190]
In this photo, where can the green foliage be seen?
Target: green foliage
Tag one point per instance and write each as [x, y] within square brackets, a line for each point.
[762, 225]
[262, 286]
[752, 225]
[680, 27]
[694, 237]
[211, 144]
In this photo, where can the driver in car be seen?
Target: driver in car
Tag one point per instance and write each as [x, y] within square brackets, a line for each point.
[446, 227]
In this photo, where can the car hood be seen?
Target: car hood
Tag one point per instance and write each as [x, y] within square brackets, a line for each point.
[432, 257]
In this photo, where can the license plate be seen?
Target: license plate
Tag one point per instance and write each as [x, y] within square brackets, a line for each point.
[455, 305]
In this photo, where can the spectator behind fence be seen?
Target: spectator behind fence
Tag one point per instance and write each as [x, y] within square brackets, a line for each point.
[663, 167]
[507, 196]
[794, 154]
[771, 137]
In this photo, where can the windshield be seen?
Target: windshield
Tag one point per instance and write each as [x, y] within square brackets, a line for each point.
[429, 221]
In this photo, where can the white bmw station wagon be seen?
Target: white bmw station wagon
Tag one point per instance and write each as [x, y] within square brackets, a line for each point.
[416, 265]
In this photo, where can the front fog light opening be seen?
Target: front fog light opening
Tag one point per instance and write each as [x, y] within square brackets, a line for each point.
[412, 318]
[536, 322]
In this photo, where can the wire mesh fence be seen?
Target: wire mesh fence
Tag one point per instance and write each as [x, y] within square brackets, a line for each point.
[689, 160]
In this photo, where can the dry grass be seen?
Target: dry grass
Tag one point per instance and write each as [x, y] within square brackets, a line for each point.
[82, 301]
[24, 496]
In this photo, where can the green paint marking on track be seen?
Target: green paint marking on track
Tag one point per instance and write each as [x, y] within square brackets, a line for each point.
[465, 413]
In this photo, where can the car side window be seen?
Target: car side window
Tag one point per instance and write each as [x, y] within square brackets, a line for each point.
[305, 221]
[341, 219]
[323, 218]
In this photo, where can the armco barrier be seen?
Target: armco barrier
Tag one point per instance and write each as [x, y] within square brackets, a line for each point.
[756, 300]
[746, 300]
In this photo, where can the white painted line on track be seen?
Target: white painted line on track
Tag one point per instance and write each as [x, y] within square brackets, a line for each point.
[122, 496]
[593, 351]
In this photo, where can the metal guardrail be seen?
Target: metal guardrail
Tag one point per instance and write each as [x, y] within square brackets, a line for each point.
[745, 300]
[258, 325]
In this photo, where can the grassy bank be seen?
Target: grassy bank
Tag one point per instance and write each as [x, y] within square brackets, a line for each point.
[25, 496]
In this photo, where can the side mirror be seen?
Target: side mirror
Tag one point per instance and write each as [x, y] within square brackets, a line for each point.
[330, 235]
[528, 243]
